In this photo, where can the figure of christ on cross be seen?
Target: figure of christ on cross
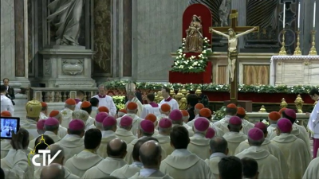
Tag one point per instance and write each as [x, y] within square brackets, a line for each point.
[230, 33]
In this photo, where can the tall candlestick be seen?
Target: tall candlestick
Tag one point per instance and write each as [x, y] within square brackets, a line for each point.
[314, 15]
[299, 16]
[284, 18]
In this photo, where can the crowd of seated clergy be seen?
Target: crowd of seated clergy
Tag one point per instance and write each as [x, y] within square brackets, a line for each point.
[92, 139]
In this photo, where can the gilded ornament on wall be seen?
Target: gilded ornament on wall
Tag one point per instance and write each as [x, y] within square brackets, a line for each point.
[102, 35]
[194, 35]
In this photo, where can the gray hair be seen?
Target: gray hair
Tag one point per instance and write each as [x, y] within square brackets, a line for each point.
[54, 148]
[80, 114]
[98, 125]
[51, 128]
[218, 144]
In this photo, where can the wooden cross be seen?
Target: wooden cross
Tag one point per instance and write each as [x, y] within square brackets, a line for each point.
[233, 24]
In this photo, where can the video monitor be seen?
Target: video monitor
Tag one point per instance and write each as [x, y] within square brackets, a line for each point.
[9, 125]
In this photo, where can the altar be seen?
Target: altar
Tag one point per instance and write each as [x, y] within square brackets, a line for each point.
[294, 70]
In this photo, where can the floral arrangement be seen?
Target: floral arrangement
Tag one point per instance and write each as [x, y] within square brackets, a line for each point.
[119, 101]
[219, 114]
[300, 89]
[192, 64]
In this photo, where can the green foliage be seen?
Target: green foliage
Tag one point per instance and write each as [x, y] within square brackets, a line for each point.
[119, 101]
[120, 85]
[219, 114]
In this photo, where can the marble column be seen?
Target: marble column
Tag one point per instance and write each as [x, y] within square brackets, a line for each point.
[156, 33]
[14, 39]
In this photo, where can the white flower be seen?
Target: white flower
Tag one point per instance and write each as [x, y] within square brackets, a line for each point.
[184, 55]
[176, 63]
[205, 38]
[190, 67]
[195, 63]
[204, 51]
[181, 66]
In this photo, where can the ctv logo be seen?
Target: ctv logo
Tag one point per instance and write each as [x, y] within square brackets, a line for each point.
[44, 157]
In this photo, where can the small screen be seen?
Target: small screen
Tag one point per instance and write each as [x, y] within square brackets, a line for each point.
[9, 125]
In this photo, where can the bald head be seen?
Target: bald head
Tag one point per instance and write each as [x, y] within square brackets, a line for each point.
[218, 145]
[52, 171]
[56, 149]
[116, 148]
[150, 154]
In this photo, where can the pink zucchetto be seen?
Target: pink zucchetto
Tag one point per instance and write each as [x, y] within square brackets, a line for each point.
[109, 121]
[261, 126]
[76, 125]
[201, 124]
[40, 124]
[210, 133]
[255, 134]
[290, 113]
[147, 126]
[51, 121]
[284, 125]
[100, 117]
[126, 121]
[176, 115]
[165, 123]
[235, 120]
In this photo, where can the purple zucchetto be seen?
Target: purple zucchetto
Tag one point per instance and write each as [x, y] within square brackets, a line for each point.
[176, 115]
[51, 121]
[165, 123]
[201, 124]
[76, 125]
[126, 121]
[284, 125]
[109, 121]
[210, 133]
[255, 134]
[235, 120]
[147, 126]
[40, 124]
[100, 117]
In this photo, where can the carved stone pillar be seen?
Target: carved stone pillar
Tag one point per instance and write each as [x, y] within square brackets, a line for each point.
[14, 47]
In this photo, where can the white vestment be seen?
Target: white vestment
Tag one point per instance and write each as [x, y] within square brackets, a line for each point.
[127, 171]
[161, 116]
[165, 142]
[62, 131]
[66, 117]
[271, 129]
[268, 165]
[67, 174]
[72, 144]
[17, 162]
[272, 149]
[94, 112]
[246, 126]
[108, 102]
[301, 133]
[148, 109]
[82, 161]
[89, 122]
[6, 104]
[173, 103]
[295, 152]
[184, 164]
[234, 139]
[107, 136]
[52, 135]
[223, 123]
[213, 161]
[125, 135]
[31, 126]
[151, 174]
[5, 147]
[199, 145]
[312, 170]
[139, 105]
[104, 168]
[43, 116]
[135, 123]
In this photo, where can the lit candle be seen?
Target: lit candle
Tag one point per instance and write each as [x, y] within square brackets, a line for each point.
[314, 15]
[299, 16]
[284, 18]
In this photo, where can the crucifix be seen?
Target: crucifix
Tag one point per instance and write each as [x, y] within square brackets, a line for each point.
[230, 32]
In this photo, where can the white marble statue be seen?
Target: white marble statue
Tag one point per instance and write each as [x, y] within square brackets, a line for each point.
[66, 16]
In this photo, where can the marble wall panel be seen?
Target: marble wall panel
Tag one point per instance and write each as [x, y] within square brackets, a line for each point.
[7, 39]
[19, 38]
[157, 31]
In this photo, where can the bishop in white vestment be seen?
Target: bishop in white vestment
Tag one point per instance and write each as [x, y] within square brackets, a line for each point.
[62, 130]
[182, 163]
[234, 137]
[268, 165]
[109, 164]
[87, 158]
[165, 127]
[294, 149]
[108, 134]
[273, 117]
[231, 110]
[241, 113]
[312, 170]
[132, 112]
[67, 112]
[124, 132]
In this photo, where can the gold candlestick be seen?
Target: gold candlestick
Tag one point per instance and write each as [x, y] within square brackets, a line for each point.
[313, 50]
[297, 49]
[283, 49]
